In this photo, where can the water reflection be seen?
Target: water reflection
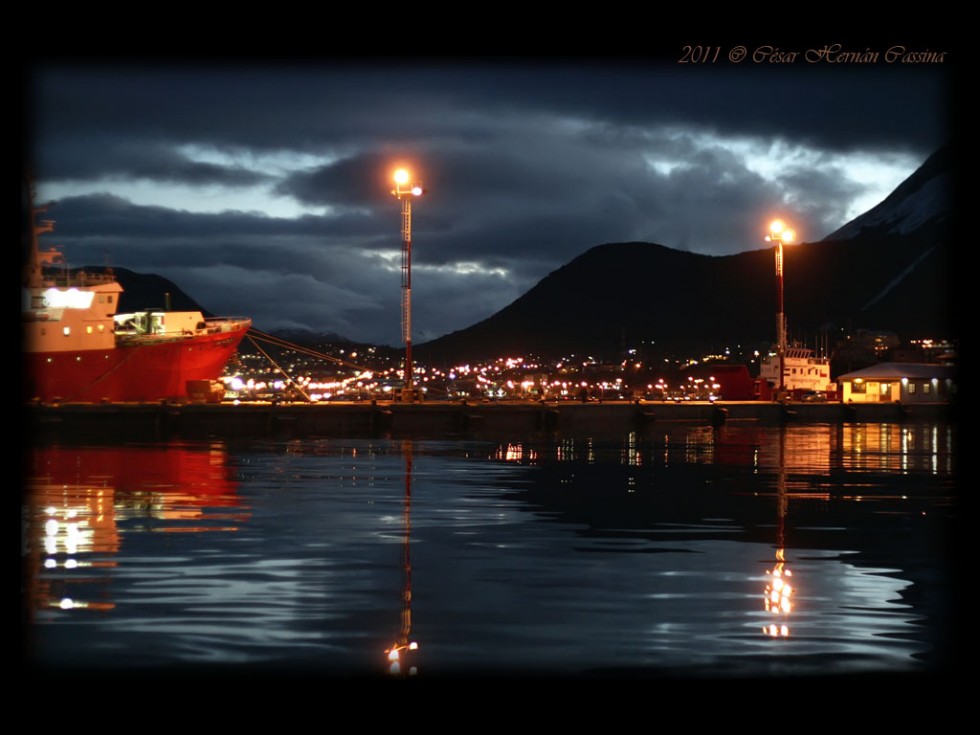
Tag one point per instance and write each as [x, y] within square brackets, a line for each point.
[779, 585]
[802, 451]
[400, 655]
[647, 551]
[779, 590]
[865, 517]
[79, 501]
[897, 447]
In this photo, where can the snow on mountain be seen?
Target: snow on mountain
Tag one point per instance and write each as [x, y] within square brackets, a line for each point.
[924, 196]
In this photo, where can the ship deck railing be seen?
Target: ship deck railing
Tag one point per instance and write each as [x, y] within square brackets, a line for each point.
[217, 324]
[80, 278]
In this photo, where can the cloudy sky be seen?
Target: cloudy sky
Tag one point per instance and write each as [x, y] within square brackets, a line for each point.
[264, 189]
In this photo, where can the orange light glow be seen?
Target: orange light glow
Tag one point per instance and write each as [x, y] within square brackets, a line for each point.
[777, 596]
[778, 231]
[393, 655]
[402, 176]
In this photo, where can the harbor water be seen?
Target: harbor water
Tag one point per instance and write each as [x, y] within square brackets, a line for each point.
[679, 550]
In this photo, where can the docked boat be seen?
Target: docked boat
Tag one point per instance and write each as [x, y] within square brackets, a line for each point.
[77, 348]
[803, 371]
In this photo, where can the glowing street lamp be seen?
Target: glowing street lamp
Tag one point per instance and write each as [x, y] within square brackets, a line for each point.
[406, 191]
[779, 233]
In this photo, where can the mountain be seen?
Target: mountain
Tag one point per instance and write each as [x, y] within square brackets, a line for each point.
[309, 338]
[888, 269]
[149, 291]
[142, 291]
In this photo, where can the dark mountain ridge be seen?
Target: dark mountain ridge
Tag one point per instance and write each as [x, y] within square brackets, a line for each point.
[886, 270]
[149, 291]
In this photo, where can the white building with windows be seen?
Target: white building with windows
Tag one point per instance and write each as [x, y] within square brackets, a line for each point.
[902, 382]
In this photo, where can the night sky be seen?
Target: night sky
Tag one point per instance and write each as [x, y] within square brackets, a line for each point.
[263, 189]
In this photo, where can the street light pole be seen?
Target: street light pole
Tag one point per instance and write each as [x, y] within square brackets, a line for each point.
[405, 192]
[779, 233]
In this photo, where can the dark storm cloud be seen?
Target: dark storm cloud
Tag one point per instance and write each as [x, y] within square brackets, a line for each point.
[520, 171]
[822, 107]
[346, 291]
[351, 181]
[818, 199]
[538, 194]
[340, 104]
[103, 157]
[105, 215]
[286, 273]
[527, 165]
[254, 106]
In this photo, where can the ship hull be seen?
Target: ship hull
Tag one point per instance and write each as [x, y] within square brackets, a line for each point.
[152, 371]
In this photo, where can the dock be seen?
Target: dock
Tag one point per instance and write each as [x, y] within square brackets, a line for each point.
[160, 421]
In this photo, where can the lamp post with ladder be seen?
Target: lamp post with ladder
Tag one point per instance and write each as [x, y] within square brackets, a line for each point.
[779, 233]
[405, 192]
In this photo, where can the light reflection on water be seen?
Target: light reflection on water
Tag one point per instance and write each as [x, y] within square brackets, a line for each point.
[650, 553]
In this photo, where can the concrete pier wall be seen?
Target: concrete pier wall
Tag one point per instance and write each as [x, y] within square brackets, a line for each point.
[197, 421]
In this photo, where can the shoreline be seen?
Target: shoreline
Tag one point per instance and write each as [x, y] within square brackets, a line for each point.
[439, 418]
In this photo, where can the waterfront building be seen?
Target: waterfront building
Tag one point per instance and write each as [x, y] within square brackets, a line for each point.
[904, 382]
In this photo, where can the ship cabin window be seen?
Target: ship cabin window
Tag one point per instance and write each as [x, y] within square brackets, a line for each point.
[109, 297]
[101, 328]
[88, 329]
[858, 387]
[911, 387]
[67, 331]
[101, 298]
[925, 388]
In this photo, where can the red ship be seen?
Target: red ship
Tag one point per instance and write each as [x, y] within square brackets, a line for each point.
[78, 349]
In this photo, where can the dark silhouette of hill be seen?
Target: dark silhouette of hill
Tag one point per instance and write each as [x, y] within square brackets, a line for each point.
[149, 291]
[886, 270]
[142, 291]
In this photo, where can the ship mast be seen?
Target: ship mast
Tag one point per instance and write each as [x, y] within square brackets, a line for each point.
[36, 260]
